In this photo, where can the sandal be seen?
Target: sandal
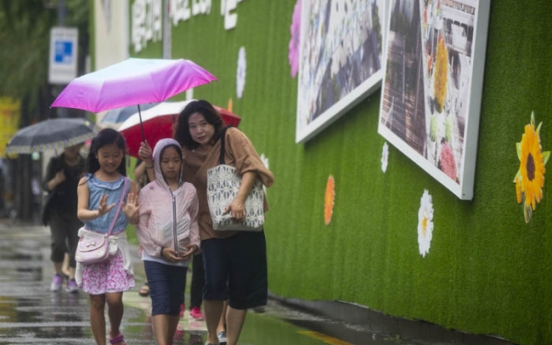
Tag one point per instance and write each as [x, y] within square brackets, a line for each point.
[118, 340]
[144, 290]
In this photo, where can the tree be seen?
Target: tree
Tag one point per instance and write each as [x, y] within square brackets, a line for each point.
[25, 39]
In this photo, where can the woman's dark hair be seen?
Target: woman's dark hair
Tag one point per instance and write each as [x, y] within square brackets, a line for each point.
[182, 129]
[105, 137]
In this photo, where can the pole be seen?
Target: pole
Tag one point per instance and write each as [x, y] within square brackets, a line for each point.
[62, 14]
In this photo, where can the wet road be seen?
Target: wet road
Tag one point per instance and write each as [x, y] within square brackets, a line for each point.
[31, 314]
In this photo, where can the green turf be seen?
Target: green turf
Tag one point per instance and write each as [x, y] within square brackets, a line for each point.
[486, 272]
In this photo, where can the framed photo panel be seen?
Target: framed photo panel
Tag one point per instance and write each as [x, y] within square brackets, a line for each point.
[431, 91]
[341, 59]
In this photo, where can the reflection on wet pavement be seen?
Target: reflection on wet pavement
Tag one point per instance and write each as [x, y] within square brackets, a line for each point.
[31, 314]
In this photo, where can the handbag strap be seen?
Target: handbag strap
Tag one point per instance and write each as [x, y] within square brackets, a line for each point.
[222, 141]
[118, 207]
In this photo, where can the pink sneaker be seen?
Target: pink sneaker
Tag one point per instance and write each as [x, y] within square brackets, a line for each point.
[196, 314]
[182, 308]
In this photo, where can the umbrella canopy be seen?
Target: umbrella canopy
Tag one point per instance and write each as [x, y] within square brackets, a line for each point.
[51, 134]
[132, 82]
[158, 124]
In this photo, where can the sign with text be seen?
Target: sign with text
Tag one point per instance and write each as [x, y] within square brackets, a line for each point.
[63, 55]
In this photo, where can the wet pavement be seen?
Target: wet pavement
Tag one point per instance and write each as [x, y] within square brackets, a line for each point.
[31, 314]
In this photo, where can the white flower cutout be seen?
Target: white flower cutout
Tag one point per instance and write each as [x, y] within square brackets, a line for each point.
[240, 76]
[384, 157]
[264, 159]
[425, 223]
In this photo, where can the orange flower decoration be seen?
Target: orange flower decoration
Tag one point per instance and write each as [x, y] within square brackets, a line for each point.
[329, 200]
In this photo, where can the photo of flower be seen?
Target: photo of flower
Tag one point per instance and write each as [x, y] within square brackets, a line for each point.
[440, 75]
[431, 85]
[293, 55]
[425, 223]
[447, 163]
[240, 75]
[384, 157]
[529, 179]
[329, 200]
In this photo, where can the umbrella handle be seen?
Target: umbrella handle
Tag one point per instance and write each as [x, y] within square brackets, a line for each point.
[141, 124]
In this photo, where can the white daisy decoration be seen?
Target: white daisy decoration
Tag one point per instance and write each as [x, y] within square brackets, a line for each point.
[425, 223]
[240, 76]
[384, 157]
[264, 159]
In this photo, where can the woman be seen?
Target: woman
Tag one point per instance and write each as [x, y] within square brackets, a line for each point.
[60, 212]
[235, 261]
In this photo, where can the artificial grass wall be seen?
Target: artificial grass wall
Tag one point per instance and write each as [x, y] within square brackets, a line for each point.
[487, 271]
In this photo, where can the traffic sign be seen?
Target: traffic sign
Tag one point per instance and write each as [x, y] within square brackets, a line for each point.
[63, 55]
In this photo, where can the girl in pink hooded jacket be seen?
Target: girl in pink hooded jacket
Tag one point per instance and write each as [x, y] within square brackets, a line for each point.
[169, 234]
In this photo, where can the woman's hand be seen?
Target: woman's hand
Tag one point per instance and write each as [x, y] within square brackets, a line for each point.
[190, 249]
[60, 177]
[236, 209]
[145, 153]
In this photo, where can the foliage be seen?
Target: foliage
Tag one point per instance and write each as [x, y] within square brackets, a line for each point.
[25, 29]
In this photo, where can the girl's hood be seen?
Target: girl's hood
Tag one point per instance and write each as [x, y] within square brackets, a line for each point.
[161, 144]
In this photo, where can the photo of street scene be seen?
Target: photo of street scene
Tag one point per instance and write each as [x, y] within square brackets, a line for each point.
[428, 82]
[341, 58]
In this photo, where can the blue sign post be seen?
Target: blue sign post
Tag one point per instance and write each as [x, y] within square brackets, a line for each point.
[63, 55]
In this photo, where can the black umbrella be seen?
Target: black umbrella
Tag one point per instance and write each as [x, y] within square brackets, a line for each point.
[51, 134]
[119, 115]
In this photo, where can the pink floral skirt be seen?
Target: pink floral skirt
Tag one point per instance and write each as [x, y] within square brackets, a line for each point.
[105, 277]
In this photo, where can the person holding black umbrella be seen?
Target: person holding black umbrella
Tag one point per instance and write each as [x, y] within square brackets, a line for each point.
[60, 212]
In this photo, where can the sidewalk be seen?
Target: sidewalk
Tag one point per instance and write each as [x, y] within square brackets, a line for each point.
[133, 298]
[27, 306]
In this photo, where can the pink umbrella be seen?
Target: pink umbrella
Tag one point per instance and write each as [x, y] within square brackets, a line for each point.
[132, 82]
[158, 124]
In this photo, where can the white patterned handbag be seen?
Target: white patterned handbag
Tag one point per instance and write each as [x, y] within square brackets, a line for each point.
[223, 183]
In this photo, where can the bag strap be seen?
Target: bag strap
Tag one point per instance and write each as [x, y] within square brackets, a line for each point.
[118, 207]
[222, 141]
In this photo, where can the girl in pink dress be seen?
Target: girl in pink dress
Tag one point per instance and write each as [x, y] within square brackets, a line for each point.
[99, 195]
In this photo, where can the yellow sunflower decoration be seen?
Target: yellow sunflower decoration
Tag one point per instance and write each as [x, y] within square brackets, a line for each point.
[529, 179]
